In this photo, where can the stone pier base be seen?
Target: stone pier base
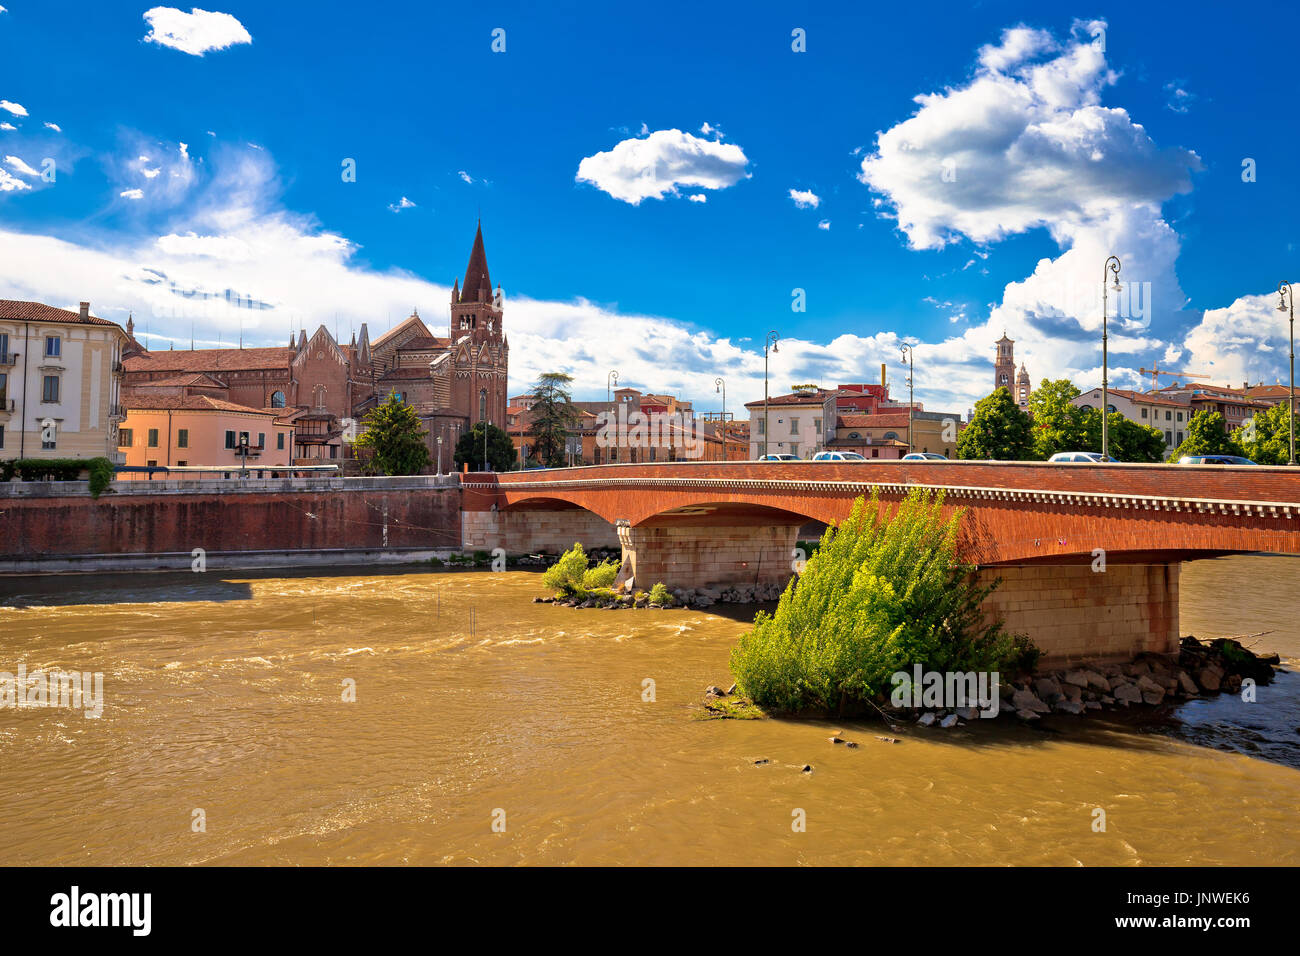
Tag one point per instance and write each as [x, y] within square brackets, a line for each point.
[690, 557]
[529, 532]
[1076, 614]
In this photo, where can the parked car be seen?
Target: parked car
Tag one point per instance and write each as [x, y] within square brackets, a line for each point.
[1214, 460]
[837, 456]
[775, 457]
[924, 456]
[1085, 457]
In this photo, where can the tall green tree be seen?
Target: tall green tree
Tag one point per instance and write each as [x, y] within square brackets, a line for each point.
[1206, 436]
[396, 439]
[998, 430]
[1058, 425]
[500, 449]
[1266, 438]
[552, 418]
[1126, 439]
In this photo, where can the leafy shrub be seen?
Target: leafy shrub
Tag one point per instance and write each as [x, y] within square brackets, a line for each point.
[879, 595]
[564, 577]
[601, 576]
[659, 594]
[60, 469]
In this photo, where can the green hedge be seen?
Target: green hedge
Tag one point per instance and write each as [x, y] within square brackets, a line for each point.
[59, 469]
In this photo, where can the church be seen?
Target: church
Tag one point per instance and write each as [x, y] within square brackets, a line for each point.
[324, 389]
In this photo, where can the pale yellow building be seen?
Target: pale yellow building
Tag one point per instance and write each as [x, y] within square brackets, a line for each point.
[60, 382]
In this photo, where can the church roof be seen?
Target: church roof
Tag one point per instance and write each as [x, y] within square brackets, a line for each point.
[476, 273]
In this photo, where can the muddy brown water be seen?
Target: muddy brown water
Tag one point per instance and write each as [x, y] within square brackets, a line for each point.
[474, 706]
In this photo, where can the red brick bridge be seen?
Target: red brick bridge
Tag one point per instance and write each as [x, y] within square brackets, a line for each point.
[1038, 527]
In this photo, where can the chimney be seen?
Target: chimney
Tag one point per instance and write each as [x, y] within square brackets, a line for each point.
[882, 374]
[85, 311]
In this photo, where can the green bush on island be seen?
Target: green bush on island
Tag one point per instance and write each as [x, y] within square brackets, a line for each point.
[659, 594]
[564, 577]
[882, 592]
[602, 575]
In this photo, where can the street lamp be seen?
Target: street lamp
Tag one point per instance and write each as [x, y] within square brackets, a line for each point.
[1111, 268]
[440, 456]
[1286, 301]
[720, 386]
[769, 343]
[909, 357]
[610, 381]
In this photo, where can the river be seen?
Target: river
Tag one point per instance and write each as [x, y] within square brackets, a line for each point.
[477, 711]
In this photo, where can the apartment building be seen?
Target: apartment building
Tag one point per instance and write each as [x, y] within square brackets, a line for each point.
[60, 382]
[799, 422]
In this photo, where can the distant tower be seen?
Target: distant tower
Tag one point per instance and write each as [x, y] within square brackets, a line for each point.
[1004, 368]
[479, 342]
[1022, 387]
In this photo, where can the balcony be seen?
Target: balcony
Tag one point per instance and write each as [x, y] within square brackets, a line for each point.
[8, 359]
[7, 406]
[117, 413]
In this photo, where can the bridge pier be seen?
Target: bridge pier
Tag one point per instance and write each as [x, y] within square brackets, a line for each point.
[690, 556]
[529, 531]
[1075, 614]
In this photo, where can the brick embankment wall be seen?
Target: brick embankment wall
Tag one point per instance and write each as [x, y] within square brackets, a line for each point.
[61, 520]
[1076, 614]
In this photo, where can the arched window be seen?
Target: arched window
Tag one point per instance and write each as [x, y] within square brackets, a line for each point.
[1003, 378]
[318, 393]
[482, 404]
[277, 399]
[891, 435]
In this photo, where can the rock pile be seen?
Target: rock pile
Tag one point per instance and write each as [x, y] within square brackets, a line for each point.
[737, 594]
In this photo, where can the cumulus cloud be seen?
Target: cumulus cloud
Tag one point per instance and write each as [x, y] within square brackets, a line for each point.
[196, 32]
[16, 164]
[698, 197]
[805, 198]
[401, 204]
[824, 224]
[656, 165]
[132, 194]
[17, 109]
[1027, 144]
[7, 126]
[10, 183]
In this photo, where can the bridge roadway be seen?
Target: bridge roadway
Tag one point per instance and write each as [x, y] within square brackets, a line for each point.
[1037, 527]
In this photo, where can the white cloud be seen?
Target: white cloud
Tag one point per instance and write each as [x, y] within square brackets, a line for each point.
[1027, 144]
[698, 197]
[824, 224]
[15, 163]
[195, 32]
[132, 194]
[654, 166]
[7, 126]
[805, 199]
[401, 204]
[17, 109]
[54, 126]
[11, 184]
[1180, 100]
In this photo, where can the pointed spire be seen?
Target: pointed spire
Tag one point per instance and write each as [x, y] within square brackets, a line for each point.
[292, 342]
[130, 325]
[477, 286]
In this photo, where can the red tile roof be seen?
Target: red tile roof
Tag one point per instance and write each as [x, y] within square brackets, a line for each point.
[871, 421]
[813, 398]
[39, 312]
[212, 360]
[189, 403]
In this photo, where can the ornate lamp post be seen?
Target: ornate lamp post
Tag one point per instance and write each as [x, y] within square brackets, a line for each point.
[1111, 268]
[1286, 302]
[769, 343]
[720, 386]
[909, 356]
[610, 381]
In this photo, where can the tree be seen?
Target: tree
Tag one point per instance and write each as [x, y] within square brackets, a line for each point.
[1126, 439]
[552, 418]
[1206, 436]
[1266, 438]
[394, 435]
[882, 592]
[500, 449]
[998, 430]
[1058, 425]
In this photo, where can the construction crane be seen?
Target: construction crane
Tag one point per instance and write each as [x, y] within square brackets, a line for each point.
[1155, 374]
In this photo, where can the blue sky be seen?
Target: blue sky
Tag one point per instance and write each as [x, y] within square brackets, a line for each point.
[1079, 132]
